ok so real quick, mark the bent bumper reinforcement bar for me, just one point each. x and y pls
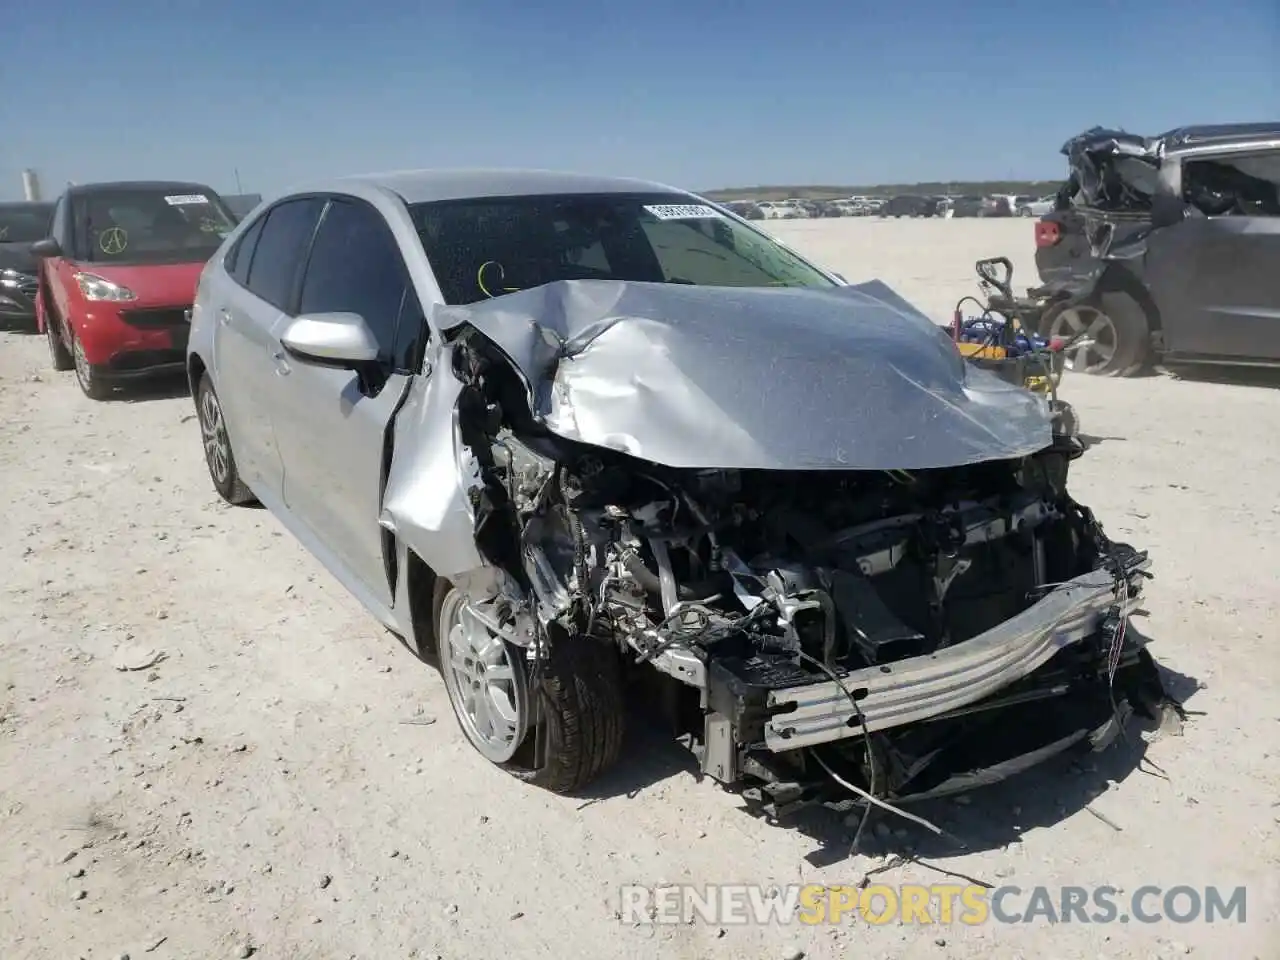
(918, 688)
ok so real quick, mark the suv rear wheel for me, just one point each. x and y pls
(1108, 337)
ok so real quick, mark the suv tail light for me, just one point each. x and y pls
(1048, 233)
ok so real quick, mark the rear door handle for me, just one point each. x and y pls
(224, 315)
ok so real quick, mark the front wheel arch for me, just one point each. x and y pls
(44, 307)
(196, 370)
(423, 587)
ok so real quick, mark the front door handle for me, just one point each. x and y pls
(224, 316)
(281, 361)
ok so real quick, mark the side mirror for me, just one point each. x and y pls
(331, 339)
(48, 247)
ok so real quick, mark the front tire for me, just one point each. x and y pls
(92, 378)
(559, 729)
(217, 447)
(59, 355)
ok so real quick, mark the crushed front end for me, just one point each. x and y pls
(820, 633)
(914, 633)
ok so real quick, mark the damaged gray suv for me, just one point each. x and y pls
(571, 437)
(1165, 249)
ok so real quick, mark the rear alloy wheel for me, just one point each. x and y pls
(90, 377)
(558, 730)
(59, 355)
(1109, 338)
(217, 447)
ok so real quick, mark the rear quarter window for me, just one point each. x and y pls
(240, 256)
(1246, 186)
(281, 248)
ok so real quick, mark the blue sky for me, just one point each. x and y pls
(696, 94)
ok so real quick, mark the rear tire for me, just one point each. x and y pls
(1113, 331)
(1134, 327)
(59, 355)
(572, 715)
(217, 447)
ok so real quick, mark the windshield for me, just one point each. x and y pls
(481, 248)
(150, 225)
(24, 222)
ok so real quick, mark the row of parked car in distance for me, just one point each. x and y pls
(900, 205)
(1161, 244)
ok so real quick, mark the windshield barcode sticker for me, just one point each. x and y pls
(683, 211)
(185, 199)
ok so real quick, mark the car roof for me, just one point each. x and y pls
(424, 186)
(1221, 134)
(112, 186)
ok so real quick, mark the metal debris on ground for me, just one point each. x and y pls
(133, 658)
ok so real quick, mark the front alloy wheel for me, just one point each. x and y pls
(88, 376)
(486, 680)
(557, 725)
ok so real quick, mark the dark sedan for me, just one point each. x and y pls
(21, 225)
(907, 205)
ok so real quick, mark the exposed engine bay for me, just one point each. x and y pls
(818, 635)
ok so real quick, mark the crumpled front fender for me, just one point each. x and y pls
(427, 502)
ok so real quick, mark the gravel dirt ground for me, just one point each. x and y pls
(281, 778)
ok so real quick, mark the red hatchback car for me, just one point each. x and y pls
(119, 273)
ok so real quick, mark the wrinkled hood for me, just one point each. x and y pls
(853, 378)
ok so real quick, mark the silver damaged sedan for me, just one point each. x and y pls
(573, 438)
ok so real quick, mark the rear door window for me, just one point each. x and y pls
(1242, 186)
(281, 248)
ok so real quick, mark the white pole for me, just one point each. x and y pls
(31, 186)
